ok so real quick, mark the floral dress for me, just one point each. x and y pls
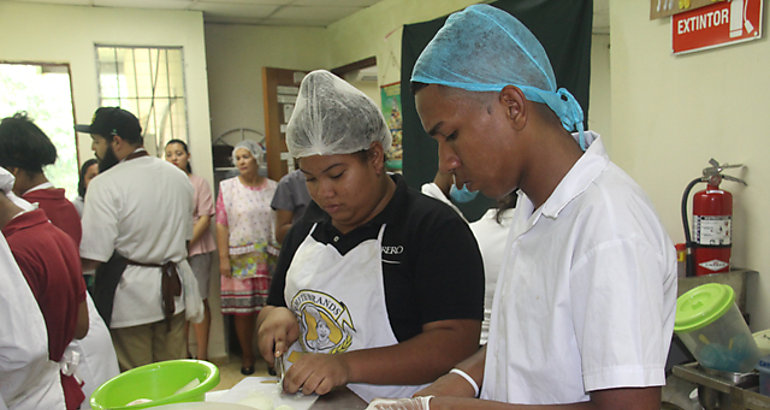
(246, 212)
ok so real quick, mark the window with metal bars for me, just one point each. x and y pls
(149, 82)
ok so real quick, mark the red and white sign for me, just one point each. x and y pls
(719, 24)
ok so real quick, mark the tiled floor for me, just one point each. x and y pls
(230, 371)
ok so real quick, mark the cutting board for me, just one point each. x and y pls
(264, 393)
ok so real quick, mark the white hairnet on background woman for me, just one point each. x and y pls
(333, 117)
(255, 149)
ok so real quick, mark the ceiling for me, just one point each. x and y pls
(309, 13)
(318, 13)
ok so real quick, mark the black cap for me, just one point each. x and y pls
(110, 121)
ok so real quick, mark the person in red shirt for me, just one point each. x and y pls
(24, 151)
(51, 265)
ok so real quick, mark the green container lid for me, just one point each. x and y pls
(701, 306)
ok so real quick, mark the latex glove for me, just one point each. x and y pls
(415, 403)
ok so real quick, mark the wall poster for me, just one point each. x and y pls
(391, 109)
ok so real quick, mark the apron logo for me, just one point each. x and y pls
(393, 250)
(325, 323)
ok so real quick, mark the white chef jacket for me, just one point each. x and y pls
(28, 380)
(143, 209)
(432, 190)
(587, 295)
(491, 237)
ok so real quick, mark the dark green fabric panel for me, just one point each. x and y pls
(564, 29)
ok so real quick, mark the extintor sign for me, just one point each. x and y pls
(717, 25)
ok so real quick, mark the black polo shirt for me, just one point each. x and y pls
(431, 264)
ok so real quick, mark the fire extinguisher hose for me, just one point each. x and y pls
(690, 261)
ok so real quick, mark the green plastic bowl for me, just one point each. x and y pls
(159, 382)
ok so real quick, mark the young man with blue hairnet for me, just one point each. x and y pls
(584, 306)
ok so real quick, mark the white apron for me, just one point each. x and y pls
(340, 305)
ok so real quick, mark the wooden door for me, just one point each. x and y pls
(279, 90)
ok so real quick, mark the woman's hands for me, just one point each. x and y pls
(317, 373)
(224, 267)
(223, 244)
(277, 329)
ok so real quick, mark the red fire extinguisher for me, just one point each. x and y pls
(708, 250)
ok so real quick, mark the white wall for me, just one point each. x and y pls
(236, 55)
(370, 88)
(670, 114)
(376, 31)
(67, 34)
(599, 115)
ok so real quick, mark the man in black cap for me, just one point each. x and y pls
(136, 221)
(104, 125)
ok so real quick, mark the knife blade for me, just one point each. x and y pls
(281, 371)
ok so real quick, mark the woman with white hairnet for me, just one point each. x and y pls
(583, 309)
(245, 239)
(377, 287)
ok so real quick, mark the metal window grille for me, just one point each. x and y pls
(149, 82)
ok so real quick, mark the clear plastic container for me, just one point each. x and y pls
(709, 323)
(764, 375)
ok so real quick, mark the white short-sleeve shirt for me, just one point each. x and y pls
(587, 294)
(143, 209)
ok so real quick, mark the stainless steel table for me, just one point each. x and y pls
(715, 392)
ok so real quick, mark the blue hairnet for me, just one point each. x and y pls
(483, 48)
(255, 149)
(333, 117)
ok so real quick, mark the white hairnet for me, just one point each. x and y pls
(483, 48)
(6, 185)
(333, 117)
(255, 149)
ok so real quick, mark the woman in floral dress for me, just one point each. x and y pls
(245, 238)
